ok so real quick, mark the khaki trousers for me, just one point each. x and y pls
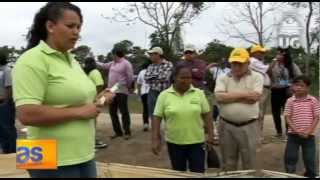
(238, 141)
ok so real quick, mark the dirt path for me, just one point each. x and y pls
(136, 151)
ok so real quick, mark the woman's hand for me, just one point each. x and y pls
(105, 97)
(156, 146)
(88, 111)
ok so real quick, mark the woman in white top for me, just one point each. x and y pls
(143, 90)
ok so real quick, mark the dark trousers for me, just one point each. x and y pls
(308, 151)
(8, 131)
(84, 170)
(278, 101)
(120, 102)
(145, 114)
(192, 155)
(152, 100)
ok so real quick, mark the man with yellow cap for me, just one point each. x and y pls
(257, 53)
(238, 94)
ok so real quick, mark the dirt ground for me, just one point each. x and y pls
(137, 150)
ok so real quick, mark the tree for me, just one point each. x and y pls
(101, 58)
(312, 33)
(167, 18)
(82, 52)
(11, 52)
(251, 15)
(124, 45)
(215, 51)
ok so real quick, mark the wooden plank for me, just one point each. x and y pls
(8, 167)
(114, 170)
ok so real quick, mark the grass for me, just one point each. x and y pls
(135, 104)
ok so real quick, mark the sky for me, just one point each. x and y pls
(100, 34)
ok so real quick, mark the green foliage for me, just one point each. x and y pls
(215, 51)
(82, 52)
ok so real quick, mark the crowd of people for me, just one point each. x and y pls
(59, 99)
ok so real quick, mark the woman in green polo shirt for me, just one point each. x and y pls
(53, 95)
(90, 68)
(185, 110)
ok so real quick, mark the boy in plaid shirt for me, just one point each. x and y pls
(302, 116)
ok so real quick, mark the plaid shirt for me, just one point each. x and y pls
(158, 75)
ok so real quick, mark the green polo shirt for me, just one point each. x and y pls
(96, 77)
(182, 115)
(44, 76)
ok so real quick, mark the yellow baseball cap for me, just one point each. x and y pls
(258, 48)
(240, 55)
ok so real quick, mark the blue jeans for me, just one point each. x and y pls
(193, 155)
(84, 170)
(308, 151)
(8, 131)
(152, 100)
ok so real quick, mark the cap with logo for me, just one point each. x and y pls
(240, 55)
(258, 48)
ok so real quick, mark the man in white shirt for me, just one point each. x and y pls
(143, 90)
(257, 54)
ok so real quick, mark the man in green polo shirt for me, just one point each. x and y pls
(238, 94)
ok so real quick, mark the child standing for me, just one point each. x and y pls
(302, 115)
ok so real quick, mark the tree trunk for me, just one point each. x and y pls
(307, 70)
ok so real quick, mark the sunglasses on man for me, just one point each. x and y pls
(188, 52)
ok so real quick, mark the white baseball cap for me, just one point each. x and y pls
(157, 50)
(190, 47)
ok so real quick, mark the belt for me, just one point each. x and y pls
(239, 124)
(267, 87)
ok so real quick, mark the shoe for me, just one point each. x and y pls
(278, 136)
(145, 127)
(115, 136)
(127, 136)
(100, 144)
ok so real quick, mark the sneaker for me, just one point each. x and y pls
(145, 127)
(127, 136)
(278, 136)
(100, 144)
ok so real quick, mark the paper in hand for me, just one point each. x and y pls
(113, 89)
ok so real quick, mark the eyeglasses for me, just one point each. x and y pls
(188, 52)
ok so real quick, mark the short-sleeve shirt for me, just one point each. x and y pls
(197, 67)
(237, 111)
(140, 80)
(280, 75)
(96, 77)
(303, 112)
(5, 79)
(44, 76)
(182, 115)
(158, 75)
